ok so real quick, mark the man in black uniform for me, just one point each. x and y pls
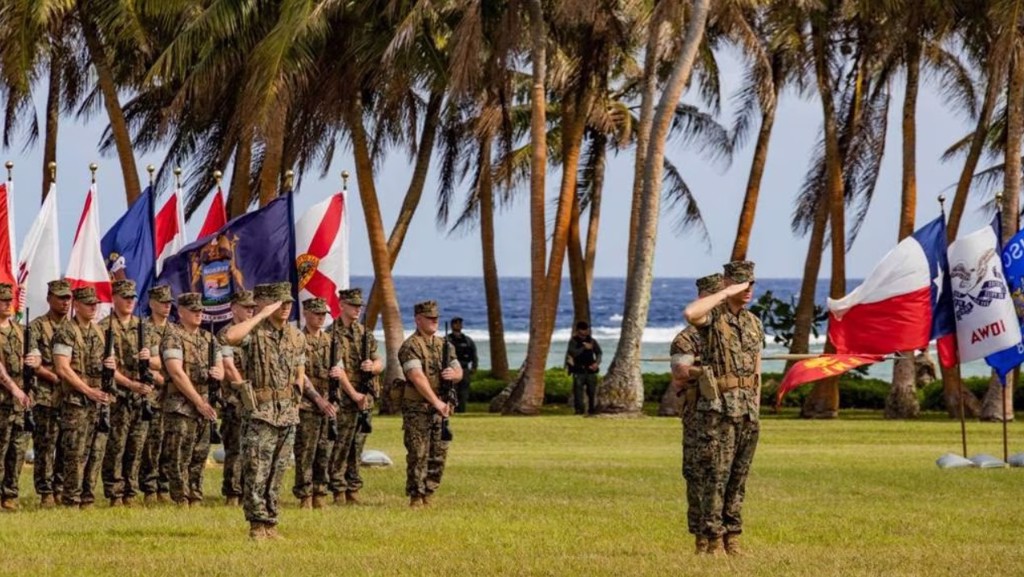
(583, 361)
(465, 351)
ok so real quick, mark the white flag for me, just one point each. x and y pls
(986, 321)
(39, 262)
(86, 266)
(321, 241)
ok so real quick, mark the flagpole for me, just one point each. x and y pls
(1002, 382)
(956, 367)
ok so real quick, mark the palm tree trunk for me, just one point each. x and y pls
(412, 197)
(902, 400)
(594, 220)
(992, 407)
(393, 334)
(492, 290)
(577, 267)
(52, 114)
(240, 193)
(746, 222)
(532, 375)
(643, 130)
(108, 87)
(622, 390)
(273, 153)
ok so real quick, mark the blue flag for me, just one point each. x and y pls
(128, 247)
(257, 247)
(1013, 269)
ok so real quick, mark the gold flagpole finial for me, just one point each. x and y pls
(9, 166)
(150, 169)
(177, 177)
(53, 171)
(93, 167)
(289, 178)
(217, 175)
(344, 180)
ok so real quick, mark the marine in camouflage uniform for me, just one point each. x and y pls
(728, 424)
(312, 443)
(686, 351)
(78, 358)
(357, 376)
(231, 422)
(128, 428)
(47, 472)
(187, 410)
(14, 400)
(277, 369)
(425, 405)
(153, 483)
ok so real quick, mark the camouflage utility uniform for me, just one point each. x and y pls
(687, 342)
(151, 479)
(48, 460)
(312, 447)
(426, 452)
(14, 438)
(348, 449)
(231, 418)
(728, 427)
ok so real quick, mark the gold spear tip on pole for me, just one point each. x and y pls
(53, 170)
(344, 179)
(9, 165)
(177, 171)
(93, 167)
(150, 168)
(218, 174)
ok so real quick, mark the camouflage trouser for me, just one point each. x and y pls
(46, 471)
(82, 446)
(347, 454)
(584, 383)
(231, 433)
(691, 463)
(13, 442)
(183, 461)
(265, 451)
(92, 483)
(727, 448)
(151, 478)
(312, 455)
(124, 451)
(425, 451)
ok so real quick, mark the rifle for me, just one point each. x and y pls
(213, 387)
(28, 376)
(107, 379)
(145, 375)
(446, 387)
(333, 385)
(365, 378)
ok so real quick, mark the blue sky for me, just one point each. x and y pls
(718, 188)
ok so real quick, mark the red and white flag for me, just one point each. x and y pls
(216, 218)
(39, 261)
(169, 230)
(7, 238)
(321, 241)
(86, 266)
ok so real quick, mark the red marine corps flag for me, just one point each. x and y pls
(321, 237)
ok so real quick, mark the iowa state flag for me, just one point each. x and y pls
(904, 303)
(257, 247)
(128, 247)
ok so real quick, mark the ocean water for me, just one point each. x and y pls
(464, 297)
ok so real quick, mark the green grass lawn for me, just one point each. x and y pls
(563, 495)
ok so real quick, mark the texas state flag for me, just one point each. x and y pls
(904, 303)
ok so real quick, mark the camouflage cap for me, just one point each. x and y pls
(275, 291)
(85, 295)
(6, 292)
(161, 294)
(739, 271)
(124, 288)
(190, 301)
(315, 305)
(59, 288)
(352, 296)
(243, 298)
(710, 284)
(427, 309)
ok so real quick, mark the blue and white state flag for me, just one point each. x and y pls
(1013, 269)
(986, 320)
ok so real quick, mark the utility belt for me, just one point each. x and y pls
(730, 383)
(266, 394)
(711, 386)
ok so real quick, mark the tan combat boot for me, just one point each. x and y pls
(732, 544)
(701, 546)
(318, 501)
(339, 498)
(230, 501)
(715, 547)
(9, 504)
(257, 531)
(352, 499)
(115, 502)
(426, 500)
(128, 501)
(271, 531)
(163, 498)
(306, 503)
(85, 505)
(149, 499)
(47, 502)
(415, 502)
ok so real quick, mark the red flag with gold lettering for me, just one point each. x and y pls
(810, 370)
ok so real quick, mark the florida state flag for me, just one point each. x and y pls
(810, 370)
